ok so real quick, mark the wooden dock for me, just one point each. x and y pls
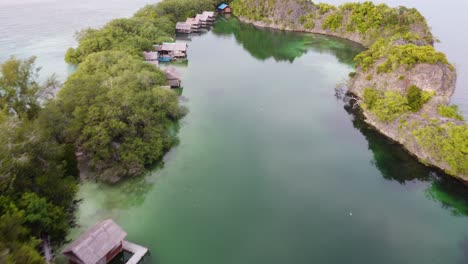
(138, 252)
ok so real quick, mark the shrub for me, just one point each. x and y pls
(396, 55)
(386, 106)
(308, 21)
(450, 111)
(370, 97)
(414, 97)
(446, 142)
(324, 8)
(333, 21)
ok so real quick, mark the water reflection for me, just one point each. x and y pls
(396, 164)
(282, 45)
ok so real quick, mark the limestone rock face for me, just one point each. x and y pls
(439, 78)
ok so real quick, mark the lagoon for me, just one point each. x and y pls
(271, 166)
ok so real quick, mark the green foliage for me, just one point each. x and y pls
(371, 96)
(386, 106)
(382, 21)
(398, 55)
(325, 8)
(20, 91)
(414, 97)
(32, 178)
(180, 10)
(333, 21)
(116, 112)
(391, 104)
(132, 35)
(308, 21)
(447, 143)
(16, 245)
(450, 111)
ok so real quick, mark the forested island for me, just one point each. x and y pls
(112, 119)
(403, 85)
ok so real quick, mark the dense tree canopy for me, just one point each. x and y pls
(37, 175)
(114, 110)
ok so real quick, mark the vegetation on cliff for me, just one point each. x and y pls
(398, 39)
(447, 142)
(366, 19)
(391, 56)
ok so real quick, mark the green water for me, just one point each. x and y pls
(273, 168)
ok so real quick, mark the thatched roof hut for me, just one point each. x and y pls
(173, 77)
(183, 27)
(173, 49)
(99, 244)
(194, 23)
(210, 16)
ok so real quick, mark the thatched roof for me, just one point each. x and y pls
(183, 26)
(192, 21)
(201, 17)
(176, 46)
(94, 245)
(172, 73)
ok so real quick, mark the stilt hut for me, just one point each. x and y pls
(194, 23)
(176, 50)
(183, 27)
(173, 77)
(100, 244)
(224, 8)
(204, 20)
(210, 16)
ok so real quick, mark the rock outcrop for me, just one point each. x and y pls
(365, 24)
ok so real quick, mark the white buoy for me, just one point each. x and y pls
(350, 213)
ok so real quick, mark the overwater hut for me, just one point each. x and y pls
(151, 57)
(194, 23)
(224, 8)
(205, 21)
(176, 50)
(183, 27)
(100, 244)
(173, 77)
(209, 15)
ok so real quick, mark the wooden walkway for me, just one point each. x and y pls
(138, 252)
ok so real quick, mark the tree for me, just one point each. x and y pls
(20, 91)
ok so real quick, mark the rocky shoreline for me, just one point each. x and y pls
(438, 78)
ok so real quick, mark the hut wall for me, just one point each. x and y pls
(114, 252)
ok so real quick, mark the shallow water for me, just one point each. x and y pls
(271, 167)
